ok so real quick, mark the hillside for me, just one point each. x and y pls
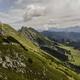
(20, 59)
(44, 43)
(67, 54)
(35, 36)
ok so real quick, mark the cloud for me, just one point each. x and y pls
(61, 12)
(34, 11)
(19, 2)
(48, 13)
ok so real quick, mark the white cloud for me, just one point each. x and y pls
(62, 12)
(34, 11)
(43, 12)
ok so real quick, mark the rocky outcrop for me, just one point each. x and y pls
(13, 63)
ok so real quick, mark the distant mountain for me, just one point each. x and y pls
(63, 35)
(60, 36)
(67, 29)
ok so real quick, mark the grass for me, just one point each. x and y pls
(42, 66)
(17, 36)
(75, 54)
(39, 65)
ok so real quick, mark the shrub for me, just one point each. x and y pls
(30, 60)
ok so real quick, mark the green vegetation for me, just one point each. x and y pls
(20, 59)
(74, 56)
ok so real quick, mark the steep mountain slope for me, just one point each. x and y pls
(66, 54)
(20, 59)
(44, 43)
(35, 36)
(11, 32)
(70, 41)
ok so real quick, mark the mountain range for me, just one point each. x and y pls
(28, 55)
(69, 35)
(58, 50)
(65, 29)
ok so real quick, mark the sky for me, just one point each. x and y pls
(40, 14)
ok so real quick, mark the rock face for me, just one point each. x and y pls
(2, 32)
(14, 63)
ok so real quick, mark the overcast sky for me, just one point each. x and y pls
(40, 14)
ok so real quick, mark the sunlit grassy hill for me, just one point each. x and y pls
(20, 59)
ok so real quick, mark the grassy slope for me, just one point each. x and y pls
(34, 34)
(11, 32)
(75, 58)
(41, 62)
